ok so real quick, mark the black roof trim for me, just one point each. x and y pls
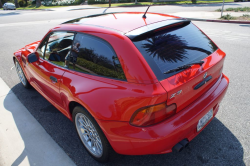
(145, 30)
(75, 21)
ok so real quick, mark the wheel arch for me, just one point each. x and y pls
(73, 104)
(14, 59)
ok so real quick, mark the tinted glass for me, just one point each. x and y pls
(42, 46)
(58, 46)
(95, 56)
(175, 47)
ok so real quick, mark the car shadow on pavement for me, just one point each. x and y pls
(215, 145)
(8, 14)
(245, 26)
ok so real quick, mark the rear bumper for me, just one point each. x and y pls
(160, 138)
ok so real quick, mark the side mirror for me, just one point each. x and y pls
(33, 57)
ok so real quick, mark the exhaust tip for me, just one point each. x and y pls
(180, 146)
(177, 148)
(184, 143)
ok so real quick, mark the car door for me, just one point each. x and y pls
(93, 72)
(48, 71)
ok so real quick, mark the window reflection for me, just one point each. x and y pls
(95, 56)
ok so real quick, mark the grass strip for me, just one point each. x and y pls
(238, 9)
(158, 3)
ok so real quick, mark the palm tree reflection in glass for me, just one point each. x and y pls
(170, 48)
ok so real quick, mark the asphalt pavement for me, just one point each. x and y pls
(225, 141)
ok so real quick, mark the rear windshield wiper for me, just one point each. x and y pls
(184, 67)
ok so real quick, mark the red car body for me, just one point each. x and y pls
(112, 102)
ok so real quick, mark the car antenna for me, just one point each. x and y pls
(144, 15)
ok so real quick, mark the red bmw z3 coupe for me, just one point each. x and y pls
(130, 83)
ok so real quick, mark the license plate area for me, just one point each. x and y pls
(203, 121)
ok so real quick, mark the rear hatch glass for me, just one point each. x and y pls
(174, 47)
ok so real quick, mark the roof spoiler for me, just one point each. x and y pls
(151, 28)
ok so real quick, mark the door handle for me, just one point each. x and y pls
(54, 79)
(203, 82)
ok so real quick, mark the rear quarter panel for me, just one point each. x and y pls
(109, 99)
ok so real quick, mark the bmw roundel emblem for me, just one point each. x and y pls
(205, 75)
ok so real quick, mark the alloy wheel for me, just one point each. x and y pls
(89, 135)
(21, 74)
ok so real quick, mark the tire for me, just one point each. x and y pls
(91, 135)
(21, 75)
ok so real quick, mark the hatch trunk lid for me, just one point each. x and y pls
(188, 85)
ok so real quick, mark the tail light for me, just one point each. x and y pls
(152, 115)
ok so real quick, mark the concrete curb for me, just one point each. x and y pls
(87, 8)
(220, 21)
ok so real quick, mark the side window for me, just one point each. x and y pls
(58, 46)
(42, 46)
(93, 55)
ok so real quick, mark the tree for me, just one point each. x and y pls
(135, 1)
(38, 3)
(16, 3)
(1, 5)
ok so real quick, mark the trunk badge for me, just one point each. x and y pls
(175, 94)
(205, 75)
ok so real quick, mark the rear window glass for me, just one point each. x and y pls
(175, 47)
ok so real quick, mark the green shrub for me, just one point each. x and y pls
(21, 3)
(143, 1)
(29, 3)
(96, 2)
(246, 15)
(78, 2)
(246, 9)
(125, 1)
(228, 17)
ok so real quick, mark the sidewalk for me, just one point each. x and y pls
(211, 16)
(207, 15)
(23, 141)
